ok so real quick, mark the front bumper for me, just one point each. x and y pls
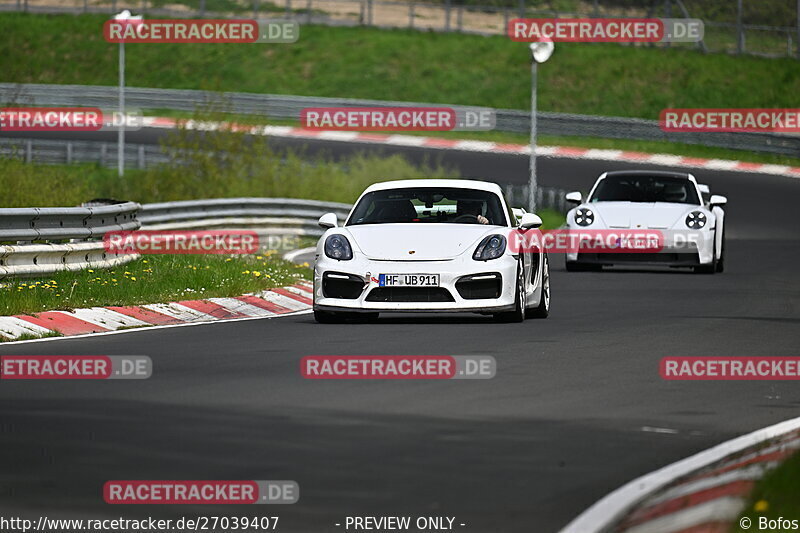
(681, 249)
(446, 298)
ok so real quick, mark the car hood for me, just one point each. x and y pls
(657, 215)
(428, 242)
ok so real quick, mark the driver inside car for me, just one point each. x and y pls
(473, 208)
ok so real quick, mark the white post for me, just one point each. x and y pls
(121, 131)
(532, 167)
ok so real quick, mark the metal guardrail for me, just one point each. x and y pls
(289, 107)
(266, 216)
(62, 223)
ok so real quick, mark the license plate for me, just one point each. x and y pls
(408, 280)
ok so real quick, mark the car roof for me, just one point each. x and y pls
(456, 184)
(659, 173)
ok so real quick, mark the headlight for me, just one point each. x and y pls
(696, 220)
(338, 247)
(491, 247)
(584, 217)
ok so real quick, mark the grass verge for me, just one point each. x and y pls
(774, 497)
(153, 279)
(401, 64)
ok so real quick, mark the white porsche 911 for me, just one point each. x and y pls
(429, 245)
(671, 203)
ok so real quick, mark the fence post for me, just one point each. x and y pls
(369, 12)
(460, 18)
(69, 152)
(28, 151)
(522, 9)
(141, 156)
(85, 6)
(113, 6)
(288, 8)
(255, 9)
(202, 8)
(308, 11)
(103, 155)
(447, 16)
(739, 28)
(411, 14)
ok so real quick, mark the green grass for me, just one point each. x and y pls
(220, 164)
(403, 65)
(153, 279)
(551, 219)
(774, 496)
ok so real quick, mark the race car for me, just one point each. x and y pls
(670, 203)
(429, 245)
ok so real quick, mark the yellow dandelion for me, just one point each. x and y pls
(761, 506)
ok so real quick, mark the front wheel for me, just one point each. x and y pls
(520, 301)
(543, 309)
(328, 317)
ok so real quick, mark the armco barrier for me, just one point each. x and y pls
(266, 216)
(21, 257)
(61, 223)
(289, 107)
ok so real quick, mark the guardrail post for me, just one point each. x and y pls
(141, 156)
(28, 151)
(522, 9)
(447, 16)
(103, 155)
(202, 8)
(308, 11)
(739, 28)
(85, 6)
(288, 8)
(411, 14)
(69, 153)
(460, 18)
(255, 9)
(369, 13)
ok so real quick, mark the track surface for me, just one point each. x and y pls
(560, 425)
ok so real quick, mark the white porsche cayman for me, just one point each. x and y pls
(429, 245)
(671, 203)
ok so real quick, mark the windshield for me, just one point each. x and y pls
(645, 189)
(448, 205)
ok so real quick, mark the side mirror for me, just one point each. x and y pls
(575, 197)
(328, 220)
(530, 220)
(717, 200)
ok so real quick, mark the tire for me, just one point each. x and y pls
(338, 317)
(711, 267)
(328, 317)
(543, 309)
(520, 301)
(574, 266)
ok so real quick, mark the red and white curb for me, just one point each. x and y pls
(704, 493)
(491, 147)
(269, 303)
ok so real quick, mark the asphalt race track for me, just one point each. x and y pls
(577, 407)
